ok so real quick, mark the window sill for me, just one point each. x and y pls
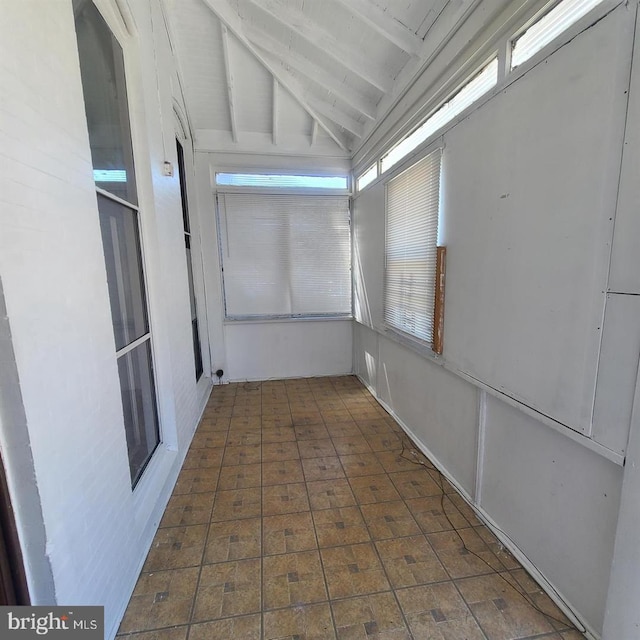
(414, 344)
(271, 320)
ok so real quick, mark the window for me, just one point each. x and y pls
(548, 27)
(466, 96)
(285, 256)
(106, 106)
(197, 347)
(411, 238)
(281, 181)
(367, 177)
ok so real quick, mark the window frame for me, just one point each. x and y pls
(189, 258)
(420, 344)
(122, 31)
(469, 80)
(276, 188)
(540, 15)
(271, 317)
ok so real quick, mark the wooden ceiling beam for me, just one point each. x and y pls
(348, 57)
(333, 113)
(385, 25)
(309, 69)
(229, 78)
(232, 21)
(339, 117)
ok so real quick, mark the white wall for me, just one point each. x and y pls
(295, 349)
(557, 500)
(259, 350)
(96, 530)
(530, 180)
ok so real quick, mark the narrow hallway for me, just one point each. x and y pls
(303, 512)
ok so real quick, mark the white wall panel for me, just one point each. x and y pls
(365, 354)
(437, 406)
(260, 351)
(557, 500)
(530, 199)
(625, 259)
(617, 371)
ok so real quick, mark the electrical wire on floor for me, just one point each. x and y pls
(410, 455)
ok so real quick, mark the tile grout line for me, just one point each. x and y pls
(315, 533)
(446, 569)
(491, 571)
(384, 568)
(206, 540)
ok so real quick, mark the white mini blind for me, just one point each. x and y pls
(551, 25)
(473, 90)
(413, 205)
(285, 255)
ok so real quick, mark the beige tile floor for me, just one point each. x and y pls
(298, 515)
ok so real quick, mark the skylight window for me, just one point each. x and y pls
(281, 181)
(367, 177)
(551, 25)
(467, 95)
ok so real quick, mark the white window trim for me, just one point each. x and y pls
(596, 14)
(277, 318)
(119, 19)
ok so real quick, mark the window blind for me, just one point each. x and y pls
(551, 25)
(473, 90)
(413, 204)
(285, 255)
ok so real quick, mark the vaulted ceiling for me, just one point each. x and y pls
(301, 76)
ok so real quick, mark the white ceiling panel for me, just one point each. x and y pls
(313, 74)
(253, 86)
(198, 46)
(291, 116)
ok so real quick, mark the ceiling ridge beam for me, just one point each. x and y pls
(230, 19)
(229, 77)
(315, 73)
(385, 25)
(324, 41)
